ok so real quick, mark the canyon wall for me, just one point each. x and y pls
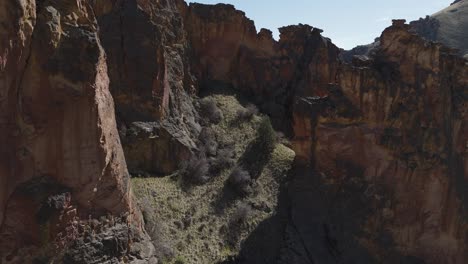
(151, 80)
(389, 130)
(381, 169)
(403, 151)
(60, 157)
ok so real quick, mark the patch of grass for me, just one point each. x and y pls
(206, 238)
(180, 260)
(281, 160)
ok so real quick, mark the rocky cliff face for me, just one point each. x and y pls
(150, 79)
(447, 26)
(61, 157)
(380, 172)
(389, 130)
(398, 138)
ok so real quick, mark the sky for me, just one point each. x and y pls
(347, 22)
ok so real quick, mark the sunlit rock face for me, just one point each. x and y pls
(58, 133)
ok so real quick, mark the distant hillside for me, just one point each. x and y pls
(448, 26)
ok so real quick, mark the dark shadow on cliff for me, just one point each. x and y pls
(253, 161)
(321, 223)
(274, 104)
(265, 242)
(216, 87)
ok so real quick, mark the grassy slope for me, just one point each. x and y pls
(453, 29)
(198, 221)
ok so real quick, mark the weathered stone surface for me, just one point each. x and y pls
(57, 121)
(150, 77)
(115, 244)
(405, 146)
(447, 26)
(156, 148)
(227, 48)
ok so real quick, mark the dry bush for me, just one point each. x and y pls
(209, 144)
(240, 180)
(282, 139)
(237, 222)
(223, 160)
(247, 113)
(241, 214)
(195, 170)
(210, 111)
(259, 151)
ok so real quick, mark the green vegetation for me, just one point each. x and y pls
(211, 219)
(259, 151)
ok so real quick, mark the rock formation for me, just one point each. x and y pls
(150, 77)
(380, 140)
(393, 125)
(447, 26)
(61, 159)
(403, 148)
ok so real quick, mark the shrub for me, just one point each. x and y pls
(224, 160)
(207, 138)
(237, 221)
(180, 260)
(241, 214)
(266, 137)
(210, 148)
(206, 134)
(281, 138)
(259, 151)
(210, 110)
(247, 113)
(240, 180)
(195, 170)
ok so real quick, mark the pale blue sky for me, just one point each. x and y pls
(347, 22)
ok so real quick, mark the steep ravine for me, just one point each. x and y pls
(380, 169)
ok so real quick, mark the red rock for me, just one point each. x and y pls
(57, 120)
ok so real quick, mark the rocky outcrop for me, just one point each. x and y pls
(228, 49)
(404, 148)
(361, 51)
(150, 76)
(448, 26)
(427, 27)
(155, 148)
(57, 127)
